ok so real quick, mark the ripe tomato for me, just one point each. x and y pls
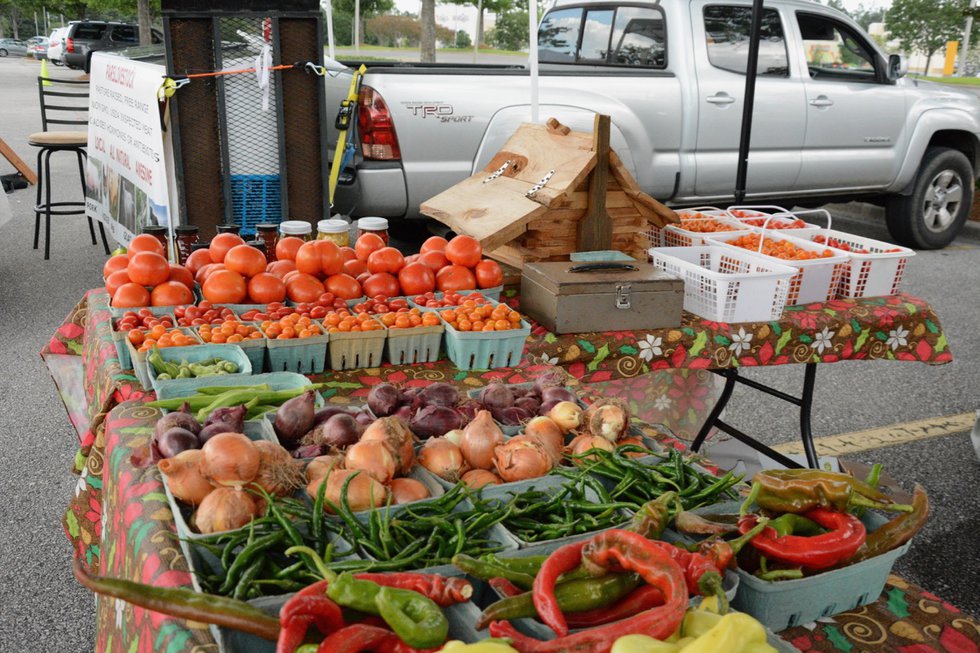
(206, 270)
(171, 293)
(386, 259)
(222, 244)
(361, 278)
(434, 244)
(224, 286)
(280, 268)
(245, 260)
(308, 259)
(146, 243)
(115, 280)
(416, 278)
(183, 275)
(331, 260)
(355, 268)
(366, 244)
(148, 268)
(289, 275)
(304, 288)
(381, 283)
(198, 259)
(287, 247)
(434, 259)
(129, 295)
(488, 274)
(115, 264)
(464, 250)
(344, 286)
(455, 277)
(264, 288)
(411, 258)
(348, 254)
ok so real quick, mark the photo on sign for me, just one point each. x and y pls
(160, 215)
(93, 180)
(111, 204)
(127, 205)
(143, 216)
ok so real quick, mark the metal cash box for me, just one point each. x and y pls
(567, 297)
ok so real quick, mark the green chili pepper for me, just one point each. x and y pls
(416, 619)
(349, 592)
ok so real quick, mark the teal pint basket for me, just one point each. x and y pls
(300, 355)
(483, 350)
(166, 389)
(351, 350)
(414, 345)
(119, 339)
(138, 358)
(254, 348)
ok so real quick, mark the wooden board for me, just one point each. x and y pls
(18, 163)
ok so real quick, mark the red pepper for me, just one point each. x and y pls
(357, 638)
(505, 587)
(845, 535)
(302, 610)
(613, 550)
(444, 591)
(640, 599)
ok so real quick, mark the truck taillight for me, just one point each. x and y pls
(69, 45)
(378, 138)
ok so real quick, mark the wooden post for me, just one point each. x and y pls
(24, 169)
(595, 228)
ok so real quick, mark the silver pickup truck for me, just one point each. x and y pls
(835, 119)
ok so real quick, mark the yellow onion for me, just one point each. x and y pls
(224, 509)
(407, 490)
(182, 474)
(544, 430)
(567, 415)
(522, 458)
(477, 478)
(443, 458)
(363, 493)
(480, 437)
(321, 466)
(279, 473)
(372, 457)
(230, 459)
(607, 418)
(585, 443)
(396, 433)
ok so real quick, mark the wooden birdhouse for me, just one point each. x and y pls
(549, 192)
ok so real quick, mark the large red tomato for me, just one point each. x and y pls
(464, 250)
(148, 268)
(115, 264)
(264, 288)
(224, 286)
(386, 259)
(434, 259)
(331, 258)
(222, 244)
(303, 287)
(367, 243)
(455, 277)
(381, 283)
(183, 275)
(434, 244)
(130, 295)
(115, 280)
(488, 274)
(355, 268)
(308, 259)
(287, 247)
(146, 243)
(344, 286)
(245, 260)
(280, 268)
(416, 279)
(198, 259)
(171, 293)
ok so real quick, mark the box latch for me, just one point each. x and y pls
(623, 296)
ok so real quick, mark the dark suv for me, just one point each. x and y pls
(88, 36)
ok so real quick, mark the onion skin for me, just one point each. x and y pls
(373, 458)
(443, 458)
(396, 433)
(550, 377)
(544, 430)
(225, 509)
(320, 466)
(522, 458)
(584, 443)
(174, 440)
(480, 437)
(233, 416)
(363, 493)
(230, 459)
(278, 474)
(608, 418)
(438, 394)
(183, 476)
(434, 421)
(558, 394)
(479, 478)
(567, 415)
(530, 404)
(294, 419)
(407, 490)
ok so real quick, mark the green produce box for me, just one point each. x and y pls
(138, 358)
(481, 350)
(301, 355)
(415, 345)
(351, 350)
(166, 389)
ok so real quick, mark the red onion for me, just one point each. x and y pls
(496, 396)
(550, 378)
(178, 419)
(512, 416)
(363, 418)
(294, 419)
(404, 412)
(212, 430)
(324, 414)
(439, 394)
(559, 394)
(435, 420)
(340, 431)
(529, 404)
(384, 399)
(234, 416)
(468, 409)
(309, 451)
(546, 406)
(175, 440)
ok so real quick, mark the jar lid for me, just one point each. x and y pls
(372, 224)
(332, 226)
(154, 229)
(296, 227)
(186, 229)
(267, 226)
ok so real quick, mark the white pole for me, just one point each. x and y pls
(533, 56)
(330, 45)
(47, 25)
(476, 30)
(964, 51)
(357, 27)
(36, 28)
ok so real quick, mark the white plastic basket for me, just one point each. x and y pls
(683, 234)
(727, 284)
(774, 217)
(699, 212)
(816, 279)
(875, 271)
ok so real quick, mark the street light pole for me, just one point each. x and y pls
(967, 28)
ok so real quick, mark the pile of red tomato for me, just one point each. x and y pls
(144, 277)
(231, 272)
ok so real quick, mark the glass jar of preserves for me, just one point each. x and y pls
(337, 231)
(377, 226)
(298, 228)
(187, 236)
(268, 233)
(160, 233)
(229, 228)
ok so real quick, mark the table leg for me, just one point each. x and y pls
(731, 376)
(806, 404)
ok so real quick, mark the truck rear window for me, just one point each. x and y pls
(623, 36)
(89, 32)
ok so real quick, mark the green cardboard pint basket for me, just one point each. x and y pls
(138, 358)
(414, 345)
(483, 350)
(195, 354)
(300, 355)
(351, 350)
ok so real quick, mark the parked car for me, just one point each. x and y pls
(13, 48)
(56, 45)
(835, 118)
(89, 36)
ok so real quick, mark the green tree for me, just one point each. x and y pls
(511, 30)
(483, 6)
(864, 17)
(925, 25)
(463, 39)
(368, 9)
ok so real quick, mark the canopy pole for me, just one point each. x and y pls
(533, 56)
(748, 103)
(328, 7)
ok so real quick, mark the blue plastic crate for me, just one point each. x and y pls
(255, 199)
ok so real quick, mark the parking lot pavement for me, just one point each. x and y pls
(44, 609)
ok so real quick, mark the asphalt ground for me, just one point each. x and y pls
(43, 609)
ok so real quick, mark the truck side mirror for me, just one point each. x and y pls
(898, 66)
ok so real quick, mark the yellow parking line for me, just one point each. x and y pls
(886, 436)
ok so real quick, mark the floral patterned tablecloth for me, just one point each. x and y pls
(120, 523)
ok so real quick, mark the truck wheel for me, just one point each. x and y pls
(940, 202)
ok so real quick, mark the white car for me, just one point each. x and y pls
(56, 45)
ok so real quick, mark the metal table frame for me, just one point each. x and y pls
(805, 404)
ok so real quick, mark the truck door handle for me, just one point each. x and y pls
(821, 101)
(720, 98)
